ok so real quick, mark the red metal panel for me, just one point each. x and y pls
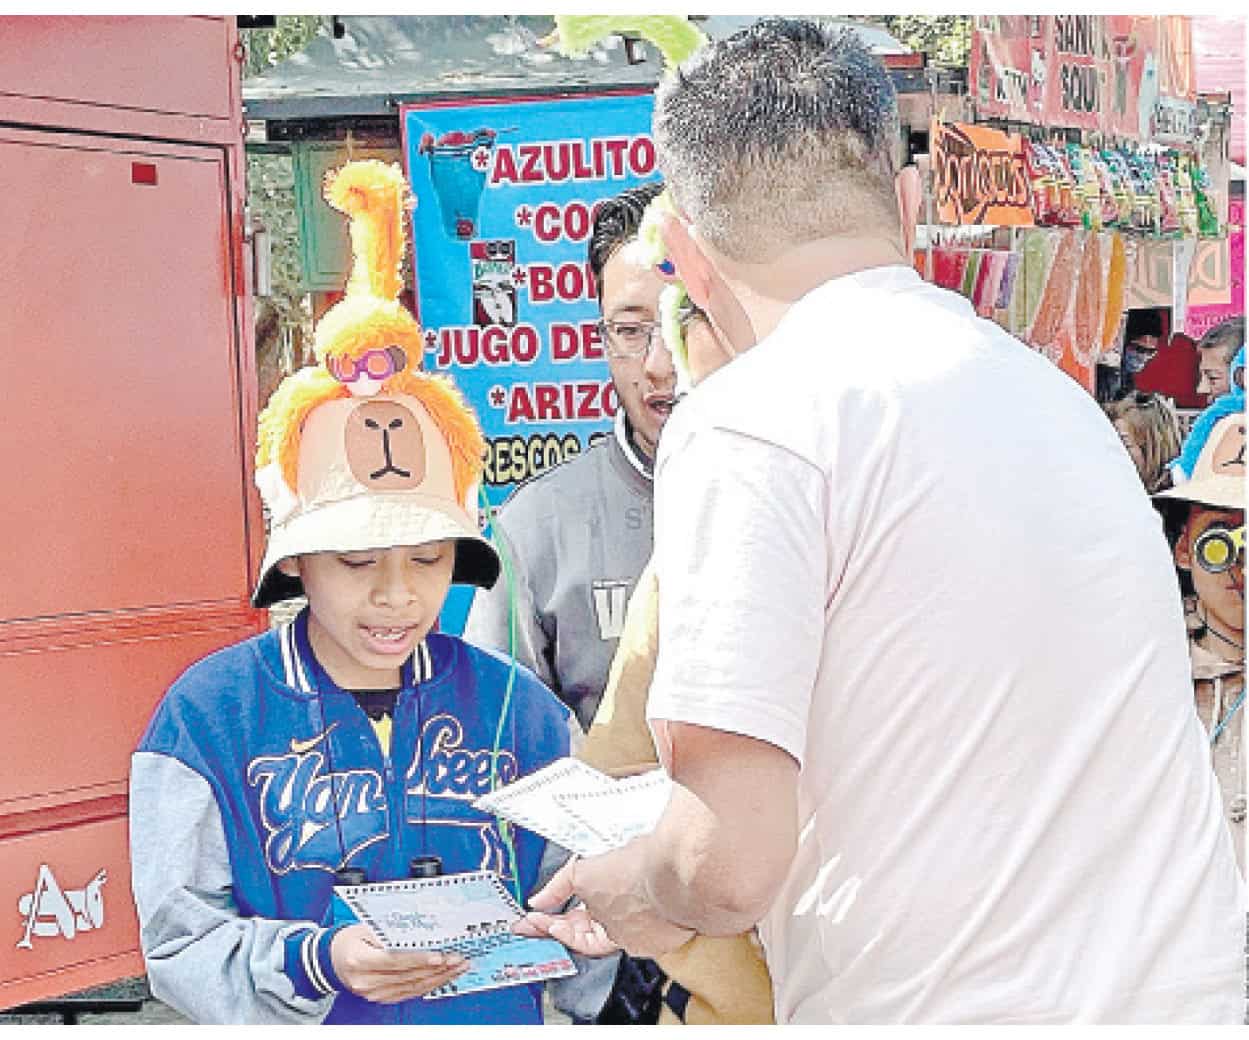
(131, 530)
(65, 927)
(79, 692)
(124, 425)
(137, 75)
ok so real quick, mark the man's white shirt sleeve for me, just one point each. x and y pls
(740, 545)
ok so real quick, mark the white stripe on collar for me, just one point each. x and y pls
(304, 684)
(630, 452)
(286, 639)
(291, 663)
(422, 661)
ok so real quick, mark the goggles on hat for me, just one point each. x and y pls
(1218, 548)
(376, 364)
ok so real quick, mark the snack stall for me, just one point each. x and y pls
(1093, 180)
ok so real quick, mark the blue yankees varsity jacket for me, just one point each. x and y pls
(257, 777)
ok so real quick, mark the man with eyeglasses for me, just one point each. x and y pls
(579, 534)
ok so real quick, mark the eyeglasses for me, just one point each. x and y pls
(628, 339)
(688, 311)
(1218, 548)
(376, 364)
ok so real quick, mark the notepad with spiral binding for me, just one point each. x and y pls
(467, 913)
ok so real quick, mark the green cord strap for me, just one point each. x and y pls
(505, 828)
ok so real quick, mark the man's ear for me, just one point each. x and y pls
(1183, 549)
(910, 191)
(693, 268)
(289, 566)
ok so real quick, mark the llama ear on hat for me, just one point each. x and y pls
(368, 336)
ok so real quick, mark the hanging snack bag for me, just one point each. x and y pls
(1056, 297)
(1029, 278)
(1089, 187)
(1186, 203)
(1043, 183)
(1169, 213)
(1068, 204)
(1088, 302)
(1116, 285)
(1146, 214)
(1207, 222)
(1121, 180)
(1106, 182)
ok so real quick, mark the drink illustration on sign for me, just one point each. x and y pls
(459, 161)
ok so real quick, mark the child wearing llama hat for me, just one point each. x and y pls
(1208, 511)
(354, 736)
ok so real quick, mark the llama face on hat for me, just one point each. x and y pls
(385, 445)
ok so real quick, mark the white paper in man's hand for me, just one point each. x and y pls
(581, 809)
(628, 809)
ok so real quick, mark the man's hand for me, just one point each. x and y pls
(616, 912)
(385, 977)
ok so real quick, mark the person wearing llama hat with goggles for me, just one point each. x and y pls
(352, 741)
(1208, 510)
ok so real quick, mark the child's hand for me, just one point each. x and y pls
(386, 977)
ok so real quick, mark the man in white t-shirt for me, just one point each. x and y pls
(922, 682)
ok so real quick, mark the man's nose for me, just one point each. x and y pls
(657, 363)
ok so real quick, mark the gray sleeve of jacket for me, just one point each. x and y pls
(488, 617)
(203, 959)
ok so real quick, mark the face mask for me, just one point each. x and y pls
(1134, 360)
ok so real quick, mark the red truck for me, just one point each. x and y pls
(130, 531)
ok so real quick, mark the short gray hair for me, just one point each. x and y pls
(784, 133)
(1228, 336)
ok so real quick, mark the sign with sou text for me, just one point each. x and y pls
(1130, 76)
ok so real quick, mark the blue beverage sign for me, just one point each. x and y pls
(506, 192)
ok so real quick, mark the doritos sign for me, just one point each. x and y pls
(979, 175)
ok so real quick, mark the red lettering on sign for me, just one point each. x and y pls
(574, 221)
(530, 171)
(520, 405)
(547, 397)
(559, 161)
(555, 158)
(468, 346)
(504, 166)
(569, 282)
(615, 148)
(546, 226)
(563, 342)
(580, 171)
(561, 402)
